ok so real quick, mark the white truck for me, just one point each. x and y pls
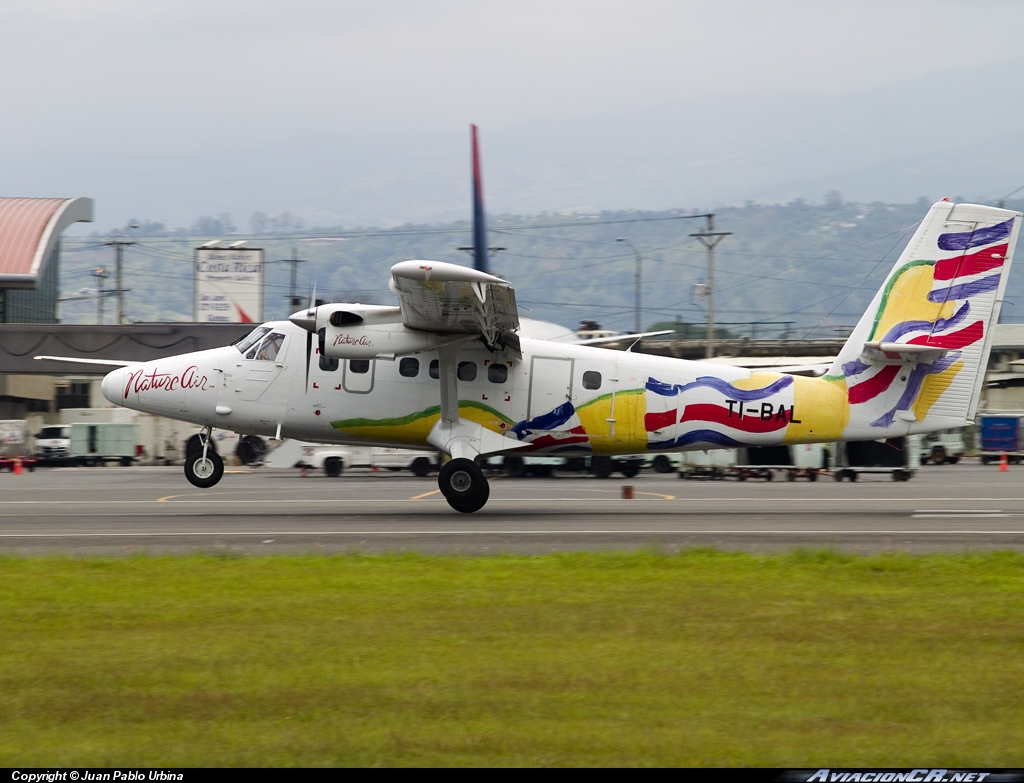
(945, 447)
(335, 460)
(88, 443)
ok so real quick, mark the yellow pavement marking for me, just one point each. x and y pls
(165, 498)
(426, 494)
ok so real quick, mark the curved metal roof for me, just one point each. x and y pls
(29, 230)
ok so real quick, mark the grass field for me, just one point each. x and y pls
(700, 658)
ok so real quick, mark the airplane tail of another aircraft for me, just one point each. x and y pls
(917, 358)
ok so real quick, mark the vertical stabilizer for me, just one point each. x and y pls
(917, 359)
(479, 223)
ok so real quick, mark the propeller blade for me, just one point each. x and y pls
(309, 356)
(310, 319)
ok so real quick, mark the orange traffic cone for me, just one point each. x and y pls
(1004, 464)
(16, 470)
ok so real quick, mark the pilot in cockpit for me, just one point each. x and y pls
(270, 347)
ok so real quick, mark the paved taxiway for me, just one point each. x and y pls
(120, 510)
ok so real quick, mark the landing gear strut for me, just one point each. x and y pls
(204, 467)
(463, 485)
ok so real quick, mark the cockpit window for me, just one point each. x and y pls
(251, 339)
(270, 347)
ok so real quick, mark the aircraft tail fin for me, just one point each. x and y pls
(917, 358)
(480, 250)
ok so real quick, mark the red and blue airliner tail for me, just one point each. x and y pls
(479, 223)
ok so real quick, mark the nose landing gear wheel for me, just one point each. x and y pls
(463, 485)
(204, 473)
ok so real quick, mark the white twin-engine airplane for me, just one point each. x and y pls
(450, 368)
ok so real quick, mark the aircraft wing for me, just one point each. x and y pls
(438, 297)
(75, 360)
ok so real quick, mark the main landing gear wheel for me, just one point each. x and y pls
(463, 485)
(204, 472)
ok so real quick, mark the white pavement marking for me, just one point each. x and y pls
(521, 533)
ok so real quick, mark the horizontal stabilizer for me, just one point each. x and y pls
(908, 353)
(618, 338)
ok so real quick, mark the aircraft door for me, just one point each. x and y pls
(550, 385)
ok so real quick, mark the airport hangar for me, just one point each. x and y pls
(30, 233)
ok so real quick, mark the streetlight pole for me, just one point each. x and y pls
(637, 325)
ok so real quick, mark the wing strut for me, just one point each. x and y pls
(452, 434)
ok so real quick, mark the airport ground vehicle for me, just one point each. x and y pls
(335, 460)
(999, 435)
(714, 464)
(88, 443)
(898, 457)
(14, 445)
(518, 466)
(943, 447)
(803, 460)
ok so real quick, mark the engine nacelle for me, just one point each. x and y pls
(369, 332)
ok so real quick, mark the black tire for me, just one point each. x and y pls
(938, 455)
(195, 444)
(601, 467)
(126, 462)
(790, 475)
(984, 460)
(662, 464)
(463, 485)
(541, 471)
(852, 474)
(953, 460)
(769, 475)
(837, 475)
(813, 475)
(333, 466)
(420, 467)
(204, 473)
(251, 449)
(514, 466)
(629, 470)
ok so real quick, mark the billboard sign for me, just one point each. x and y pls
(229, 285)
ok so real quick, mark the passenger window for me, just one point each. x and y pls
(591, 380)
(270, 347)
(409, 368)
(466, 371)
(359, 366)
(433, 371)
(327, 365)
(497, 373)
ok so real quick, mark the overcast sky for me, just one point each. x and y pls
(113, 79)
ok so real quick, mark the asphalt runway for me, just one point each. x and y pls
(118, 510)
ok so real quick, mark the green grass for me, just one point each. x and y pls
(702, 658)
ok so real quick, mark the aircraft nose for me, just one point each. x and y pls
(112, 386)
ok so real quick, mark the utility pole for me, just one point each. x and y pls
(118, 244)
(709, 238)
(100, 275)
(637, 320)
(293, 298)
